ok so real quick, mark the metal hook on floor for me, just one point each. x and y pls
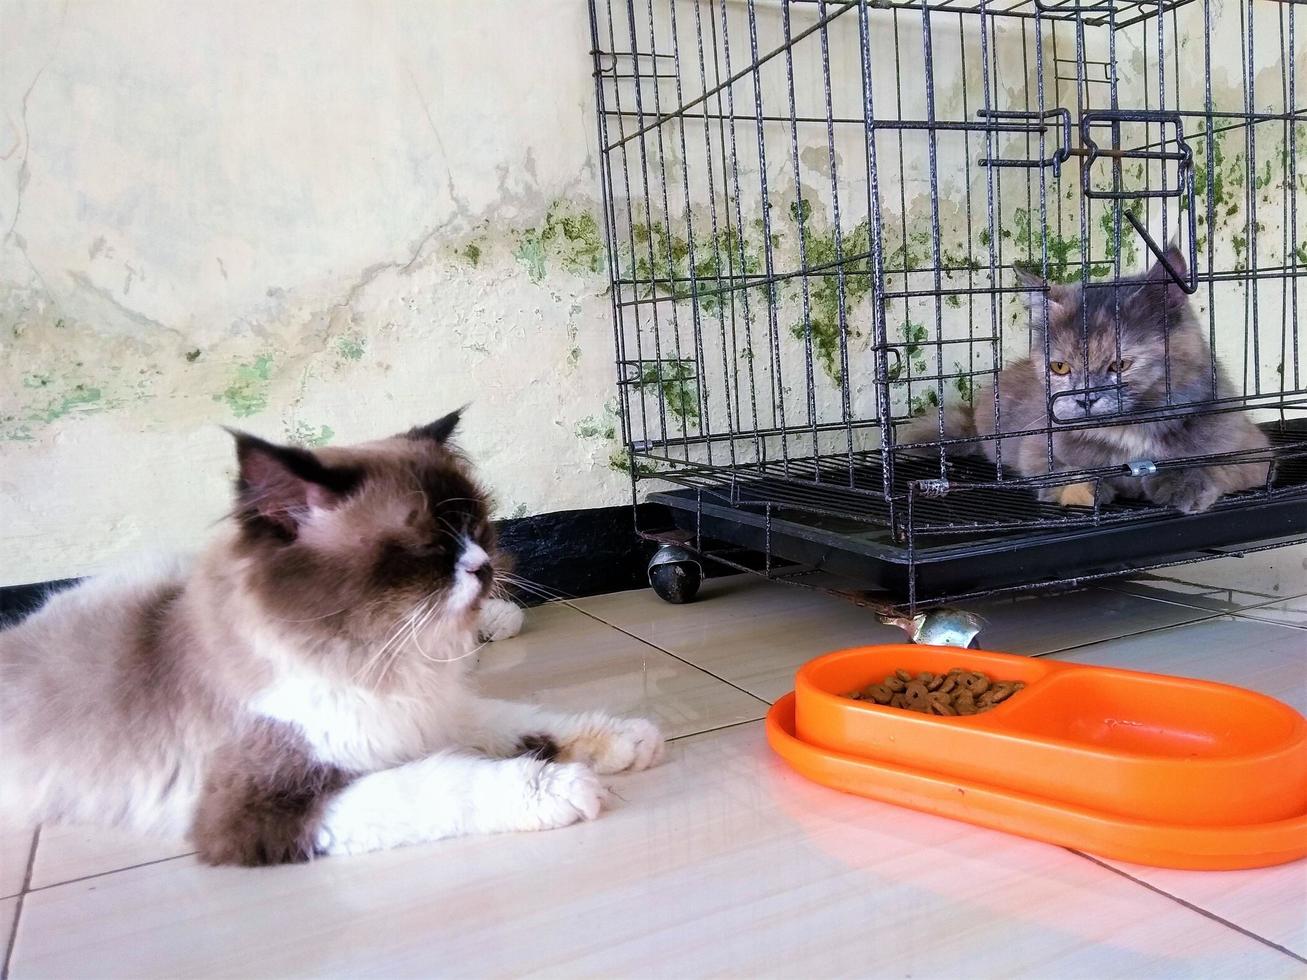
(940, 627)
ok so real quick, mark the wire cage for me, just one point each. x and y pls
(833, 227)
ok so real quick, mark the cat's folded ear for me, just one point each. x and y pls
(1157, 274)
(1034, 289)
(440, 430)
(280, 487)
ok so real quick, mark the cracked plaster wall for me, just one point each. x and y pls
(321, 222)
(327, 222)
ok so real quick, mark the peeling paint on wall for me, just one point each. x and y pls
(333, 268)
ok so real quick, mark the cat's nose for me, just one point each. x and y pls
(1087, 401)
(475, 561)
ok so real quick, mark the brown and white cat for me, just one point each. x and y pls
(303, 688)
(1163, 361)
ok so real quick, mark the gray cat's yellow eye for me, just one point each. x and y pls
(1059, 367)
(1116, 367)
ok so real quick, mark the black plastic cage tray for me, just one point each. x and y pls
(940, 567)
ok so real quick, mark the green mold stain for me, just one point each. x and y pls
(193, 355)
(592, 427)
(303, 434)
(531, 253)
(677, 386)
(1129, 250)
(661, 263)
(660, 260)
(570, 236)
(248, 393)
(518, 513)
(923, 403)
(472, 252)
(851, 269)
(1063, 251)
(351, 347)
(957, 261)
(76, 401)
(914, 253)
(914, 335)
(1214, 181)
(729, 254)
(18, 433)
(963, 382)
(1240, 243)
(37, 381)
(621, 461)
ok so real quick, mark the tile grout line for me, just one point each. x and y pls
(1171, 601)
(1191, 906)
(1237, 610)
(1174, 626)
(104, 874)
(718, 728)
(655, 646)
(1144, 632)
(18, 908)
(1267, 622)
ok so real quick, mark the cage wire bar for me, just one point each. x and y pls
(816, 211)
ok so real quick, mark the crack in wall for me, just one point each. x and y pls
(83, 282)
(24, 173)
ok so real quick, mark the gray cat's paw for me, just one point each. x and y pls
(1189, 492)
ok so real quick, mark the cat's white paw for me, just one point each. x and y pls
(559, 793)
(499, 620)
(624, 745)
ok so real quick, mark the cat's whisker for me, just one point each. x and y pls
(313, 619)
(536, 588)
(393, 637)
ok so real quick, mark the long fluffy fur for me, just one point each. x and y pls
(305, 686)
(1148, 323)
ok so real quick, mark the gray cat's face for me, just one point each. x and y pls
(1097, 372)
(1109, 347)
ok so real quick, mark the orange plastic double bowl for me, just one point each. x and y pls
(1146, 768)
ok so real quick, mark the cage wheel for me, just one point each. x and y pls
(675, 574)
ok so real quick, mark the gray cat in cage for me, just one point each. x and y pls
(1162, 348)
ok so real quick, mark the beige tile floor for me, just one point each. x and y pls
(721, 861)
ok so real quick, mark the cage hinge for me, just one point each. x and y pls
(1141, 467)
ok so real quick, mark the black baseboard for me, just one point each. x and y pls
(575, 553)
(20, 601)
(570, 553)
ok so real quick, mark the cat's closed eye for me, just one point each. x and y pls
(1117, 367)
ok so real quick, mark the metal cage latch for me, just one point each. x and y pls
(1141, 467)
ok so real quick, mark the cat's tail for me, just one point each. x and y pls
(959, 423)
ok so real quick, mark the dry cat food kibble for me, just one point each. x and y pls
(959, 692)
